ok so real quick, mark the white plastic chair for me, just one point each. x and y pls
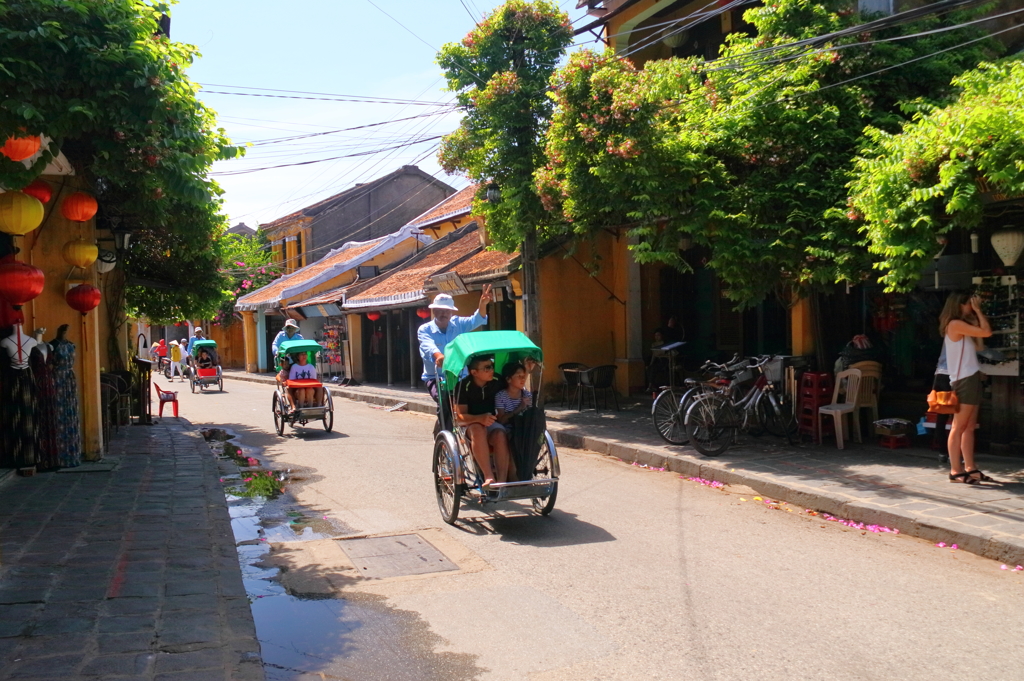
(847, 383)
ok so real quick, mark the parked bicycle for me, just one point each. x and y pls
(714, 418)
(669, 408)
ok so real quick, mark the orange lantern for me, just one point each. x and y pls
(83, 297)
(20, 148)
(373, 316)
(19, 213)
(40, 190)
(80, 253)
(19, 283)
(79, 207)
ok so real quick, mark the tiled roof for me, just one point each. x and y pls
(405, 284)
(459, 203)
(325, 298)
(484, 262)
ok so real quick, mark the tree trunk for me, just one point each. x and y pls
(531, 294)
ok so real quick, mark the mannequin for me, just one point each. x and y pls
(18, 402)
(41, 360)
(69, 438)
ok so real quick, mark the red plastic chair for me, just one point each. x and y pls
(165, 397)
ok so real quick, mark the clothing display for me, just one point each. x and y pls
(16, 406)
(69, 438)
(45, 417)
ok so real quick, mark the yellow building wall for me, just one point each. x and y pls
(230, 344)
(440, 230)
(355, 341)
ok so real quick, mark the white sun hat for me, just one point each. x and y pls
(443, 301)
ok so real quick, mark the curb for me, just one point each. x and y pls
(1001, 547)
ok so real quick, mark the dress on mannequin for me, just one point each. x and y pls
(69, 438)
(45, 415)
(16, 407)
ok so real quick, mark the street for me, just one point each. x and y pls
(637, 574)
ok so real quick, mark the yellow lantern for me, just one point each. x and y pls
(19, 213)
(80, 253)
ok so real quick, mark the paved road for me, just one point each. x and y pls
(636, 575)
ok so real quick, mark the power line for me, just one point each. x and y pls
(320, 99)
(334, 132)
(397, 100)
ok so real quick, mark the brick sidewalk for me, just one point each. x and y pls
(906, 489)
(126, 573)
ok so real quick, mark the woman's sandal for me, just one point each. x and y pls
(978, 476)
(962, 478)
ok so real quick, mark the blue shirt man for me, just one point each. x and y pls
(290, 332)
(443, 329)
(197, 336)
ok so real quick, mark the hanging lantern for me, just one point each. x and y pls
(20, 148)
(423, 313)
(79, 207)
(1008, 245)
(83, 297)
(19, 283)
(19, 213)
(373, 316)
(80, 253)
(105, 261)
(40, 189)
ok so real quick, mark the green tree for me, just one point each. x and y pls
(913, 186)
(749, 154)
(500, 72)
(248, 265)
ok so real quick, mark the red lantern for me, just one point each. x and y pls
(373, 316)
(19, 283)
(83, 297)
(423, 313)
(20, 148)
(40, 190)
(79, 207)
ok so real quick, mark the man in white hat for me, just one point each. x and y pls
(443, 329)
(197, 336)
(288, 333)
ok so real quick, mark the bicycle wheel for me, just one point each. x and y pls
(704, 424)
(776, 413)
(669, 417)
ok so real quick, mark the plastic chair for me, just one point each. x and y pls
(571, 379)
(870, 386)
(165, 397)
(848, 384)
(599, 378)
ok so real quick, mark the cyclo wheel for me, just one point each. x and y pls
(776, 413)
(278, 414)
(704, 427)
(446, 487)
(669, 417)
(329, 414)
(545, 469)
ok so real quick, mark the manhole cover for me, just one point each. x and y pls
(405, 554)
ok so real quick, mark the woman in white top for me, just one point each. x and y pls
(960, 344)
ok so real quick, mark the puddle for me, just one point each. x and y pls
(355, 637)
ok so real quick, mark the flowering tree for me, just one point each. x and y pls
(913, 186)
(248, 265)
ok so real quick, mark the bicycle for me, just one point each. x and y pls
(669, 409)
(714, 419)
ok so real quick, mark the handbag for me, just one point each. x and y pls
(945, 401)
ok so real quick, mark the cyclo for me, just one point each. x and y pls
(208, 376)
(284, 412)
(456, 474)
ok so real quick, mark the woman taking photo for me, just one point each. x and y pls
(960, 341)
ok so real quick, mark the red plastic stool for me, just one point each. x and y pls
(165, 397)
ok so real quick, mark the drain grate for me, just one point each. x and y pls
(398, 556)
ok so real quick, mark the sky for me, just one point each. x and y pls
(332, 48)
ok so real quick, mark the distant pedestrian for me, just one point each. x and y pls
(197, 335)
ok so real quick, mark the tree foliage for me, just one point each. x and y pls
(500, 72)
(913, 186)
(749, 155)
(100, 79)
(248, 265)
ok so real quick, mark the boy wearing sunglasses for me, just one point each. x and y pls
(476, 413)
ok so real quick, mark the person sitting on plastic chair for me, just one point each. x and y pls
(302, 370)
(476, 413)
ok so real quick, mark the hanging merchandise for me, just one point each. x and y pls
(20, 148)
(83, 298)
(80, 253)
(19, 283)
(105, 261)
(79, 207)
(69, 438)
(19, 213)
(17, 403)
(39, 189)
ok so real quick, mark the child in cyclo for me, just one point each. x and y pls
(515, 398)
(282, 380)
(303, 370)
(475, 410)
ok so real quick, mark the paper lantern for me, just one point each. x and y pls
(373, 316)
(20, 148)
(1008, 244)
(40, 189)
(423, 313)
(19, 283)
(79, 207)
(19, 213)
(83, 297)
(105, 261)
(80, 253)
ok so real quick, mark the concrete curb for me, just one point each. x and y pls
(997, 546)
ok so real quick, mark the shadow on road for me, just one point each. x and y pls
(558, 529)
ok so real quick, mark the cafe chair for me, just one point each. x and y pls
(599, 378)
(571, 379)
(167, 397)
(848, 390)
